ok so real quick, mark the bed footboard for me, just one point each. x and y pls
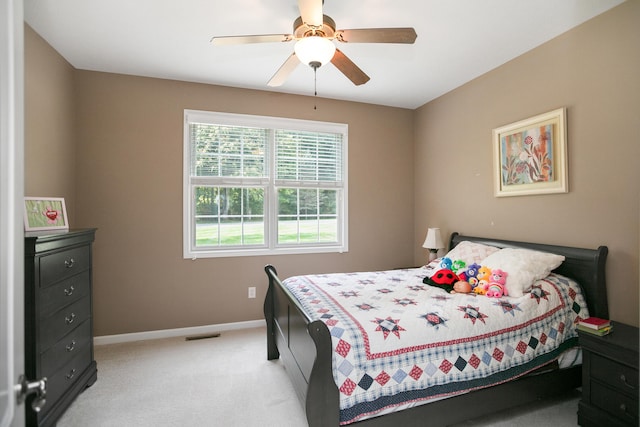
(269, 315)
(305, 349)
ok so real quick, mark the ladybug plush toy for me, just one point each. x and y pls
(443, 278)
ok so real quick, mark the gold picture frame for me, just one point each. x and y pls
(530, 156)
(45, 213)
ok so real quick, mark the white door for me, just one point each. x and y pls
(11, 196)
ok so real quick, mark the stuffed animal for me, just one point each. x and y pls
(498, 276)
(484, 274)
(446, 263)
(461, 287)
(458, 266)
(495, 290)
(443, 279)
(471, 275)
(497, 286)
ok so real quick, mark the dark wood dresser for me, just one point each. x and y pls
(609, 378)
(58, 318)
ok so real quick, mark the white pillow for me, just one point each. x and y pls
(471, 252)
(523, 267)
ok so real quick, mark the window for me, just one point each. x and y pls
(263, 185)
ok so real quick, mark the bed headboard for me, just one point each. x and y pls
(586, 266)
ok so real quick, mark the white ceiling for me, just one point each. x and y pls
(458, 40)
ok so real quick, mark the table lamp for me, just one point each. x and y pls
(433, 242)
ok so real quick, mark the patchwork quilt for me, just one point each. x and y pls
(398, 342)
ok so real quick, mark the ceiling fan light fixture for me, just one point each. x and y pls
(314, 49)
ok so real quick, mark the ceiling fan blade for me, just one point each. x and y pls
(348, 68)
(264, 38)
(284, 71)
(311, 12)
(377, 35)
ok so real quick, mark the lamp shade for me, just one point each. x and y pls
(433, 239)
(314, 49)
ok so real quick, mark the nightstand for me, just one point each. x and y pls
(609, 378)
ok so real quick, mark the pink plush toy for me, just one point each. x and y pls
(497, 286)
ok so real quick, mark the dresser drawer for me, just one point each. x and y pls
(65, 349)
(62, 379)
(621, 377)
(64, 293)
(64, 264)
(62, 322)
(615, 403)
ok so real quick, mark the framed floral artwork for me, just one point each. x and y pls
(530, 156)
(45, 213)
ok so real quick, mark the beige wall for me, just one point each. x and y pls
(50, 149)
(594, 72)
(130, 141)
(127, 181)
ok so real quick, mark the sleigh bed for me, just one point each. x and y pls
(309, 344)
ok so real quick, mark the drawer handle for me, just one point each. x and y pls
(70, 319)
(624, 381)
(69, 262)
(71, 374)
(69, 291)
(71, 347)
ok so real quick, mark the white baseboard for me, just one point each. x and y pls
(179, 332)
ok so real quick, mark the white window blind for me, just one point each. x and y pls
(227, 151)
(309, 157)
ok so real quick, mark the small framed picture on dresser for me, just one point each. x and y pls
(45, 213)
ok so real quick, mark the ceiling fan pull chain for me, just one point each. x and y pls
(315, 87)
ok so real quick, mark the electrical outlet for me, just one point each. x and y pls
(252, 292)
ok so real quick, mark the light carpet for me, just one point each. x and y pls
(228, 382)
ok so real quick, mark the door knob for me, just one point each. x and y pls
(25, 388)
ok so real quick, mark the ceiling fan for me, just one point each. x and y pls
(314, 33)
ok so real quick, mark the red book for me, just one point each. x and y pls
(594, 323)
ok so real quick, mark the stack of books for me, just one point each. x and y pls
(595, 326)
